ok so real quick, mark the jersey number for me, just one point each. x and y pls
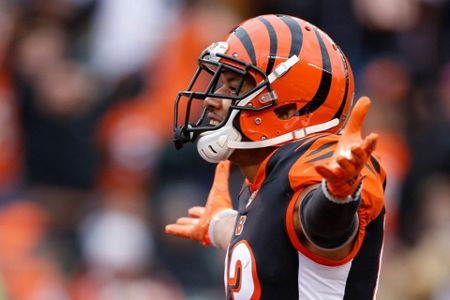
(241, 278)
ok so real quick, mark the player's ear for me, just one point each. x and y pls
(286, 112)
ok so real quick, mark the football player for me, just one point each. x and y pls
(275, 99)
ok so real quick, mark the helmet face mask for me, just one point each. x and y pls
(191, 113)
(287, 76)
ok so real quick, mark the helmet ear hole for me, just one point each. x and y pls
(306, 114)
(286, 112)
(306, 119)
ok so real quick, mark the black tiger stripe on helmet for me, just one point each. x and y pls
(320, 84)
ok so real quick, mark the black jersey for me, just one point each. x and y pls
(267, 260)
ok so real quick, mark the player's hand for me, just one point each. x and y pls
(343, 173)
(196, 225)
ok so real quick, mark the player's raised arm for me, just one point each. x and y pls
(213, 223)
(328, 214)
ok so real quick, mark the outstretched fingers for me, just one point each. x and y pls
(354, 161)
(179, 230)
(196, 211)
(370, 143)
(327, 172)
(187, 221)
(347, 164)
(359, 156)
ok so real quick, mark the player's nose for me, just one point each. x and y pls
(213, 103)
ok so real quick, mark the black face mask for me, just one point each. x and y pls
(191, 114)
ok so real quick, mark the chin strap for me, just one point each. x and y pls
(293, 135)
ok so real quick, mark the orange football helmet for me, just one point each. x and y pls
(294, 65)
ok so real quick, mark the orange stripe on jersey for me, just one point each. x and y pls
(260, 174)
(369, 167)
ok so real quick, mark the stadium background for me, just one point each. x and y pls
(89, 176)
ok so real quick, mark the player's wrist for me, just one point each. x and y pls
(228, 212)
(343, 194)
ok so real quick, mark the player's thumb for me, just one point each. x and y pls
(221, 175)
(358, 115)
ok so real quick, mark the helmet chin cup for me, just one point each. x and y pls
(213, 145)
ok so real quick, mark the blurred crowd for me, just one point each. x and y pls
(89, 175)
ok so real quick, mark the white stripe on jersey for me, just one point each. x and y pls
(316, 281)
(380, 259)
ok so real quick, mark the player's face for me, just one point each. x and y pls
(218, 108)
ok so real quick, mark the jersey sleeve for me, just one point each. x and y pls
(302, 175)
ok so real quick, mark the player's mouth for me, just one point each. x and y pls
(214, 119)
